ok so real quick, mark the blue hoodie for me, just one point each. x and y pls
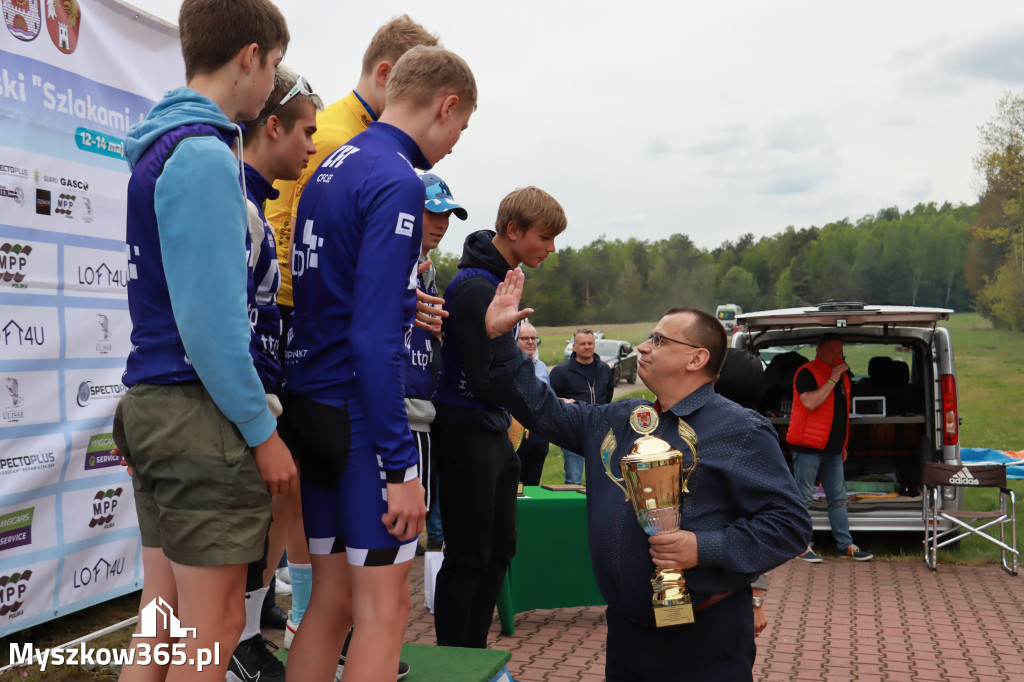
(187, 266)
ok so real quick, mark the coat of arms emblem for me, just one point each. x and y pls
(63, 19)
(23, 18)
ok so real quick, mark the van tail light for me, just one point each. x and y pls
(950, 416)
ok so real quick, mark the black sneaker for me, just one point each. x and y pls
(403, 667)
(253, 660)
(274, 617)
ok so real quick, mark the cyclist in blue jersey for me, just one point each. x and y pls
(357, 240)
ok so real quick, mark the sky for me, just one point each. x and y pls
(646, 119)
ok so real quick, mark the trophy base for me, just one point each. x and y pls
(678, 614)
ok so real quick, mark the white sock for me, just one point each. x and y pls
(253, 609)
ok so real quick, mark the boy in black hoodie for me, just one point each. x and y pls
(478, 469)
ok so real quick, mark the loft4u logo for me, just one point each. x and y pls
(302, 259)
(63, 20)
(104, 504)
(13, 589)
(23, 18)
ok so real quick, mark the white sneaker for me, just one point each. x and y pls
(283, 575)
(282, 589)
(289, 633)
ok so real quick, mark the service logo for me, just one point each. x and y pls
(13, 261)
(13, 412)
(16, 528)
(23, 18)
(104, 504)
(98, 453)
(13, 589)
(43, 201)
(63, 20)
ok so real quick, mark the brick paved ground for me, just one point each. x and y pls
(835, 621)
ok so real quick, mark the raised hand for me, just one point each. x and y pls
(503, 314)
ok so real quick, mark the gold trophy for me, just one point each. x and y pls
(655, 476)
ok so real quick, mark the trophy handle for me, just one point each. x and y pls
(608, 446)
(689, 437)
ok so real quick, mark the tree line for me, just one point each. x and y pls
(964, 257)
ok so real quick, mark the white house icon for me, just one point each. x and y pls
(170, 621)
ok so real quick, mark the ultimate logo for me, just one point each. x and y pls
(12, 593)
(23, 18)
(103, 505)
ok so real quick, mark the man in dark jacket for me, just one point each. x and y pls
(477, 467)
(585, 379)
(742, 514)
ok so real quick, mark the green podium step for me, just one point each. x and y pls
(449, 664)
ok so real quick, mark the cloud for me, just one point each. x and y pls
(626, 222)
(998, 56)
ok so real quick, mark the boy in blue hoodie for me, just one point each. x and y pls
(195, 423)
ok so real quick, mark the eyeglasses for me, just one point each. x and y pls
(301, 87)
(530, 339)
(658, 339)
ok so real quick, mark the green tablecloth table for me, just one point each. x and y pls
(551, 568)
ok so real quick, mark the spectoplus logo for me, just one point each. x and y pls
(13, 262)
(13, 171)
(30, 462)
(16, 528)
(43, 201)
(88, 391)
(98, 454)
(104, 504)
(13, 591)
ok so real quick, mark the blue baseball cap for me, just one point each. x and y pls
(439, 197)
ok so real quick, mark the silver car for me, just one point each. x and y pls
(904, 402)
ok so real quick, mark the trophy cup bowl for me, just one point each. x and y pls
(653, 473)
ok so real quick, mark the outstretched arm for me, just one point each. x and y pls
(503, 314)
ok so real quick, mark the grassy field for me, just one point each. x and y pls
(990, 368)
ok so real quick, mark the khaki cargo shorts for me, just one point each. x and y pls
(198, 493)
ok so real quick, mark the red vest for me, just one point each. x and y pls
(810, 428)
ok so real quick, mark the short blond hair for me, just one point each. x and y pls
(424, 72)
(394, 39)
(529, 207)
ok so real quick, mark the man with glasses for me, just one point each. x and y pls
(582, 377)
(742, 514)
(533, 449)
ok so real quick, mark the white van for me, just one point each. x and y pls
(904, 404)
(726, 314)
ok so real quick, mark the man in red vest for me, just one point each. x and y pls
(818, 431)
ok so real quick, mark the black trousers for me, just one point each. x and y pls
(717, 647)
(478, 475)
(532, 452)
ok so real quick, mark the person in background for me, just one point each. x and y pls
(533, 449)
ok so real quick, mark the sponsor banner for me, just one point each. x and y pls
(29, 333)
(27, 266)
(30, 463)
(96, 333)
(94, 511)
(95, 272)
(92, 393)
(27, 398)
(91, 456)
(26, 590)
(27, 527)
(99, 569)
